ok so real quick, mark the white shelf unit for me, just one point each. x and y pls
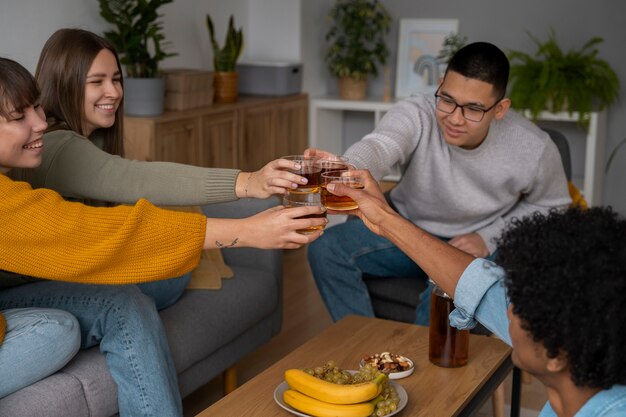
(595, 147)
(326, 131)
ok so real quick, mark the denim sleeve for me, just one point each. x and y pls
(480, 296)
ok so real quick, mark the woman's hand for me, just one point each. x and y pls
(373, 208)
(273, 178)
(274, 228)
(471, 243)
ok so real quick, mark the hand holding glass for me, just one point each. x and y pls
(309, 169)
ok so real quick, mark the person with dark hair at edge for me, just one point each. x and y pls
(556, 294)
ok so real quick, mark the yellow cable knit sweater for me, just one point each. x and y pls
(47, 237)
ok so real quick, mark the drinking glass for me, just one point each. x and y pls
(309, 169)
(299, 199)
(343, 176)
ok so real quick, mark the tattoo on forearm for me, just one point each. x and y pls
(221, 245)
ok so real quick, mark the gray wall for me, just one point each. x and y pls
(504, 23)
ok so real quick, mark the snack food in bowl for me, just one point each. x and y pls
(396, 366)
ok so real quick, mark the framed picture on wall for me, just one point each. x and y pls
(420, 41)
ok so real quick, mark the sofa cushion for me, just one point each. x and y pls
(204, 320)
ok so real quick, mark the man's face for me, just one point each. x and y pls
(455, 128)
(527, 355)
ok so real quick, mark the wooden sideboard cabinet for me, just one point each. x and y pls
(245, 135)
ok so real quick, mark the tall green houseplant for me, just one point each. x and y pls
(226, 78)
(554, 80)
(138, 34)
(225, 58)
(357, 38)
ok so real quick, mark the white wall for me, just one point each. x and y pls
(26, 24)
(271, 28)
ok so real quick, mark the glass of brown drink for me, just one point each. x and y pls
(299, 199)
(346, 177)
(447, 346)
(309, 169)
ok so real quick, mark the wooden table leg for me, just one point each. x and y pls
(230, 380)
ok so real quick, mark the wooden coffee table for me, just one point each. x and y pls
(432, 390)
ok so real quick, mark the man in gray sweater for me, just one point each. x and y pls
(469, 165)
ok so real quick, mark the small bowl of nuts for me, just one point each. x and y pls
(395, 366)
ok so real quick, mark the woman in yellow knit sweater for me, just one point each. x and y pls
(47, 237)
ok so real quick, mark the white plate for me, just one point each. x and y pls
(282, 387)
(397, 375)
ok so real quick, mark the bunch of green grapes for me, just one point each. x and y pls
(332, 373)
(389, 403)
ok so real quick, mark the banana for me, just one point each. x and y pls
(334, 393)
(317, 408)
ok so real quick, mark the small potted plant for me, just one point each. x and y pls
(553, 80)
(224, 60)
(357, 44)
(139, 40)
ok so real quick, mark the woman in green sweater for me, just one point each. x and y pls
(44, 236)
(81, 81)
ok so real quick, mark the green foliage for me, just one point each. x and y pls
(224, 59)
(138, 35)
(357, 38)
(451, 44)
(553, 80)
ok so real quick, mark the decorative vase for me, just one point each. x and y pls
(226, 86)
(143, 96)
(351, 89)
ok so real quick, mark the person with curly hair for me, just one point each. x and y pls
(555, 294)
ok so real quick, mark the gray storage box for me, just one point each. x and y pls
(270, 78)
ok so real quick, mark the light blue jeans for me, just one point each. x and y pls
(347, 251)
(124, 322)
(33, 334)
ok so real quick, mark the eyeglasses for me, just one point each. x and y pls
(469, 111)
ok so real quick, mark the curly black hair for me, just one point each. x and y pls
(566, 277)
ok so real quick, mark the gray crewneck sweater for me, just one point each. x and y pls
(450, 191)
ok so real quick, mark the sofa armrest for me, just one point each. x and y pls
(266, 260)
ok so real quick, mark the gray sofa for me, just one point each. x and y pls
(208, 332)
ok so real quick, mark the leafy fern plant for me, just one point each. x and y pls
(138, 35)
(357, 38)
(553, 80)
(224, 59)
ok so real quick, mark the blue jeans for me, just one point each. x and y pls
(347, 251)
(126, 325)
(38, 342)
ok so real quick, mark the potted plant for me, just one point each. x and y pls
(357, 44)
(139, 40)
(553, 80)
(451, 44)
(224, 60)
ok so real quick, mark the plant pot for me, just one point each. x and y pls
(226, 86)
(143, 96)
(351, 89)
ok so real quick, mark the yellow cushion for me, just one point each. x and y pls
(577, 197)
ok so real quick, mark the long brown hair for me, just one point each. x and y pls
(62, 73)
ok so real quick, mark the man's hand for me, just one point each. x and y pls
(373, 208)
(471, 243)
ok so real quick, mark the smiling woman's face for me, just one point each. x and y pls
(21, 143)
(103, 92)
